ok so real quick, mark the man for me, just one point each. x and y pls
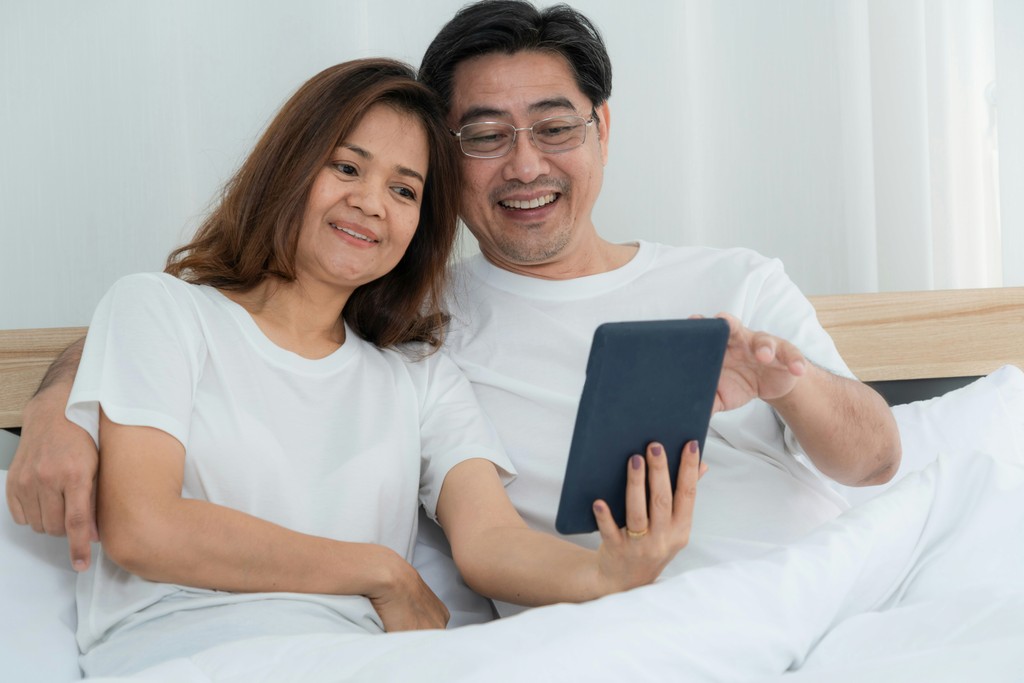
(527, 94)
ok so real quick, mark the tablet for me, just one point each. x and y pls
(646, 381)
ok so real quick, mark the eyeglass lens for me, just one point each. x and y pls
(556, 134)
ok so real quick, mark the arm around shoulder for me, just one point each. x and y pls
(51, 483)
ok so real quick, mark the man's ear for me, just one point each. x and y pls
(604, 121)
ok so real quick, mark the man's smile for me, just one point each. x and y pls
(534, 203)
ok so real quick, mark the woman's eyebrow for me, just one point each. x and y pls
(401, 170)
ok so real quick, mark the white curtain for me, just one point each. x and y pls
(857, 139)
(870, 144)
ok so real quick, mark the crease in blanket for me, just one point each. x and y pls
(751, 620)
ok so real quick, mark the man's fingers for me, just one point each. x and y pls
(14, 505)
(51, 508)
(80, 523)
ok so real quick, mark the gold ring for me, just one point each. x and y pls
(635, 534)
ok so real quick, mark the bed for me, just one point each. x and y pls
(922, 580)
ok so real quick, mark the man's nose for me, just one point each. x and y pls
(524, 162)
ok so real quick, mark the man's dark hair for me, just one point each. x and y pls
(510, 26)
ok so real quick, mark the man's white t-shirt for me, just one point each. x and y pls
(345, 447)
(524, 342)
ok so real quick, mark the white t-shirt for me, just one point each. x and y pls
(344, 447)
(524, 342)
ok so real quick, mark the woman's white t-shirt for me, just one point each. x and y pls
(344, 447)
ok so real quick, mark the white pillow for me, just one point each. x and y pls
(985, 416)
(37, 591)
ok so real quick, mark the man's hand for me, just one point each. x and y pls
(756, 365)
(51, 485)
(657, 524)
(407, 603)
(844, 426)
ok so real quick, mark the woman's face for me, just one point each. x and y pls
(364, 205)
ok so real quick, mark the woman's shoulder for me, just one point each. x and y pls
(150, 296)
(152, 286)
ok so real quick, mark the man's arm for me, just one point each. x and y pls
(51, 483)
(844, 426)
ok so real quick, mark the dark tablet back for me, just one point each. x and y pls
(646, 381)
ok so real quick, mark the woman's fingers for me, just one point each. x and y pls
(636, 496)
(659, 483)
(651, 505)
(691, 469)
(611, 536)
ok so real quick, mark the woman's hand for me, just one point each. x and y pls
(405, 602)
(656, 529)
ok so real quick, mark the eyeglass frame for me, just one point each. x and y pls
(515, 134)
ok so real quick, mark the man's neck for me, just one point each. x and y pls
(599, 257)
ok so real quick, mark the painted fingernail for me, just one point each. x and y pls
(693, 446)
(655, 449)
(635, 462)
(597, 506)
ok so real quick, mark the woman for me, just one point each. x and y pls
(270, 416)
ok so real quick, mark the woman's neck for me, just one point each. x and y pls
(304, 320)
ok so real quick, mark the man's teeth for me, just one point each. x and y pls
(528, 203)
(353, 233)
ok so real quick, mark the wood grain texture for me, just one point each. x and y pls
(887, 336)
(24, 357)
(915, 335)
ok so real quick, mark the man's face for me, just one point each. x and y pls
(527, 208)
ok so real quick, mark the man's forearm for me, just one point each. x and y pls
(844, 426)
(61, 373)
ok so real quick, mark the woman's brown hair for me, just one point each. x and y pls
(253, 232)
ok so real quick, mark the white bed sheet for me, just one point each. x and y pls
(933, 566)
(923, 582)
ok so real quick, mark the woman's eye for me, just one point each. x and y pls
(347, 169)
(406, 193)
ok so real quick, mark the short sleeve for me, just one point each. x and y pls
(453, 428)
(780, 308)
(141, 360)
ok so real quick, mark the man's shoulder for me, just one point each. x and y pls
(710, 256)
(687, 266)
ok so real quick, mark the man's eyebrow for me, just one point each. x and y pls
(401, 170)
(542, 106)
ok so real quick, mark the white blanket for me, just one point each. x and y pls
(924, 582)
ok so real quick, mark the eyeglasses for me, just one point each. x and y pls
(554, 135)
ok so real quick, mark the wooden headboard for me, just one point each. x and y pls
(883, 338)
(917, 335)
(24, 357)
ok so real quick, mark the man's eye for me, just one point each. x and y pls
(557, 130)
(487, 136)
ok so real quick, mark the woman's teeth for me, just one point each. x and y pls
(353, 233)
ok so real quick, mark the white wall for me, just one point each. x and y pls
(734, 122)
